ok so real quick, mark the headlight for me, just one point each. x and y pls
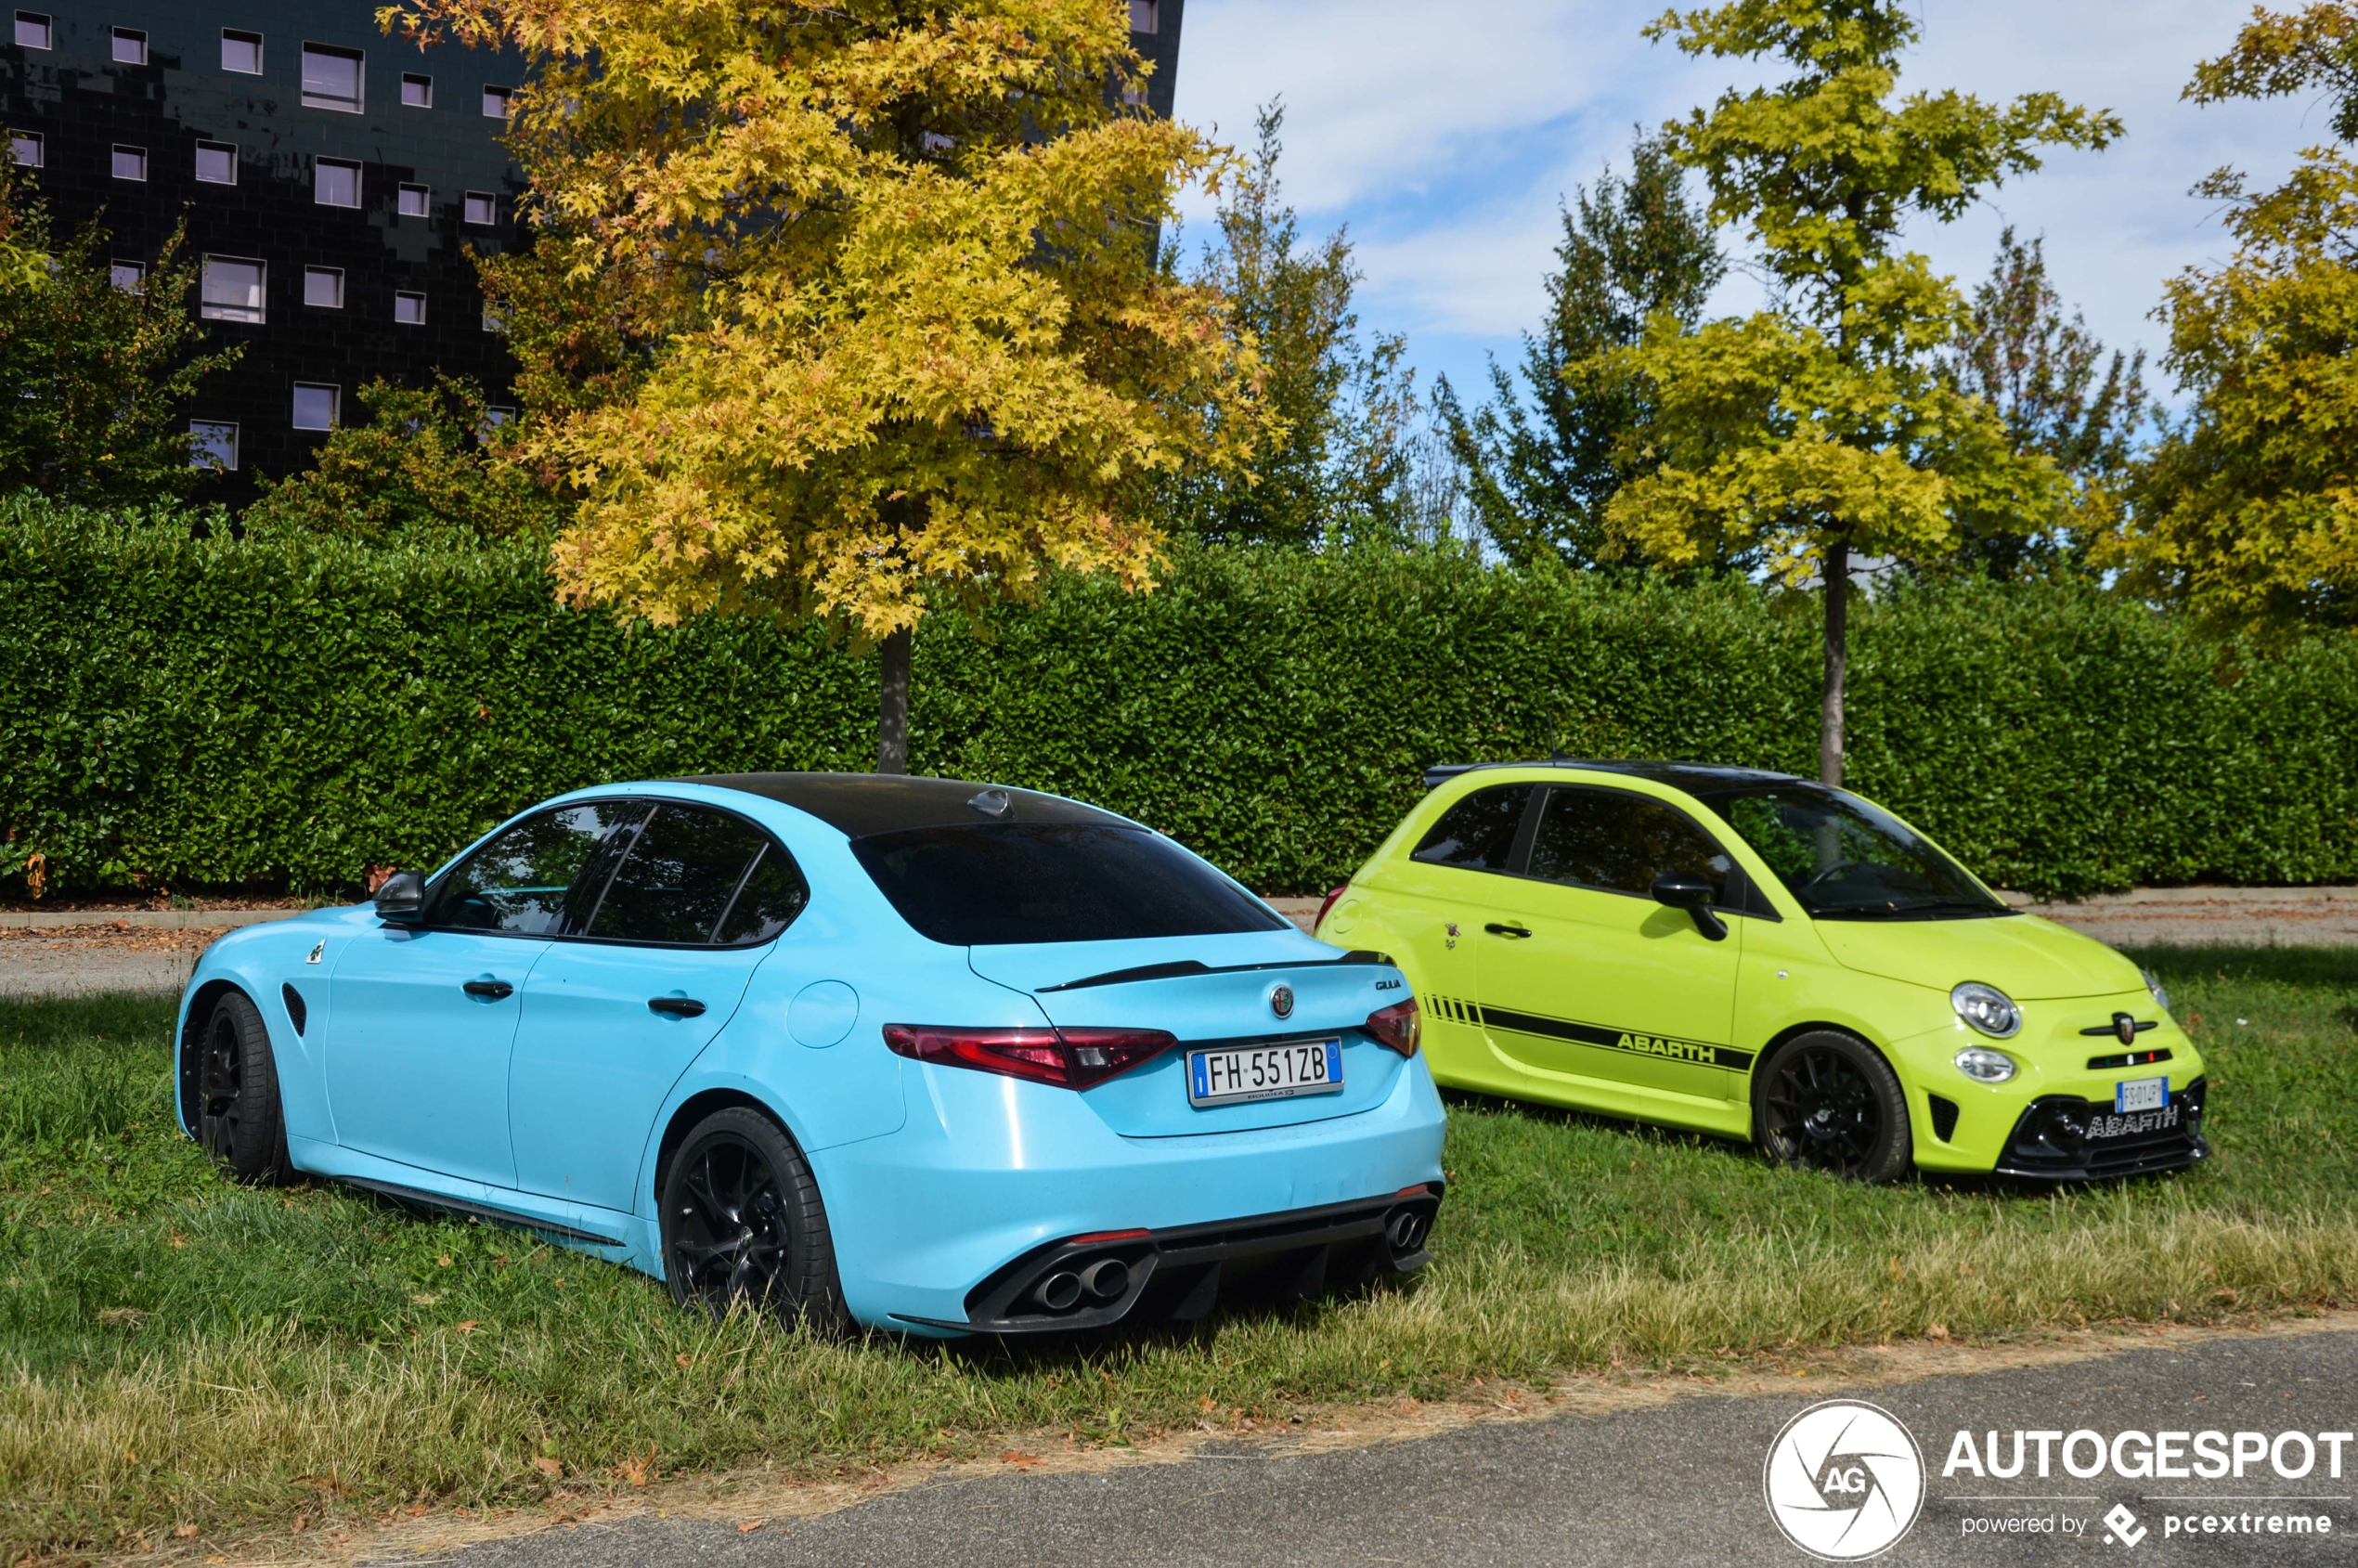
(1985, 1065)
(2153, 983)
(1986, 1008)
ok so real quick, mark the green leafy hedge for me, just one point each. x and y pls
(222, 713)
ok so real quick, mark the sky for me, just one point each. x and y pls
(1446, 134)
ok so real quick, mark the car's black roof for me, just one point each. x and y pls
(1692, 777)
(860, 804)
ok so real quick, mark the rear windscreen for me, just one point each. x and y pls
(996, 883)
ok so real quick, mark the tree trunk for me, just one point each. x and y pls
(892, 711)
(1837, 583)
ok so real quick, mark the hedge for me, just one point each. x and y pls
(214, 713)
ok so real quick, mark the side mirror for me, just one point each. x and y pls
(401, 899)
(1692, 894)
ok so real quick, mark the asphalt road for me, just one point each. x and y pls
(1675, 1483)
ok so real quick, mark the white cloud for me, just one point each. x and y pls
(1447, 134)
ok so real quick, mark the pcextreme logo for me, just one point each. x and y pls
(1844, 1479)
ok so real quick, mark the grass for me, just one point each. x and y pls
(178, 1353)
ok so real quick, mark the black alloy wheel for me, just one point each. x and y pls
(1829, 1102)
(238, 1120)
(742, 1223)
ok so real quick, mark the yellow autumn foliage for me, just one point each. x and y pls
(853, 305)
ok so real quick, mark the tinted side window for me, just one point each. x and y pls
(773, 895)
(520, 881)
(683, 873)
(1620, 842)
(1478, 832)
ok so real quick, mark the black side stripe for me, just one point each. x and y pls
(1636, 1043)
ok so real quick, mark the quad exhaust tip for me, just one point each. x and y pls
(1105, 1280)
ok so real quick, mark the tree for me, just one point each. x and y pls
(427, 461)
(98, 375)
(1822, 427)
(1333, 460)
(875, 326)
(2248, 511)
(2049, 381)
(1537, 478)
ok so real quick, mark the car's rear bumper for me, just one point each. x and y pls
(991, 1175)
(1183, 1272)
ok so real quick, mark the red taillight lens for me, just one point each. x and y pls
(1328, 904)
(1396, 1026)
(1072, 1058)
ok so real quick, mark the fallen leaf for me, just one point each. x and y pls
(469, 1327)
(302, 1522)
(548, 1466)
(750, 1527)
(444, 1260)
(1016, 1459)
(684, 1359)
(1938, 1332)
(185, 1532)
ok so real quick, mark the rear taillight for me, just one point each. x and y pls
(1070, 1058)
(1396, 1026)
(1328, 904)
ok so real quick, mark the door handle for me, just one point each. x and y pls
(1495, 929)
(675, 1007)
(490, 990)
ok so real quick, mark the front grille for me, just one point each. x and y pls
(2051, 1143)
(2128, 1058)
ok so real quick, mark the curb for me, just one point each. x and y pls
(151, 919)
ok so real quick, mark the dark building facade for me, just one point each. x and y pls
(333, 180)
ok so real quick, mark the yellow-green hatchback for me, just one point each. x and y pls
(1754, 955)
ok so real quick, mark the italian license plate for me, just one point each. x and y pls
(1264, 1072)
(2140, 1094)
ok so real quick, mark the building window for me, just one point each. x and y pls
(131, 276)
(495, 416)
(409, 308)
(1143, 18)
(483, 208)
(335, 183)
(33, 31)
(216, 162)
(1133, 93)
(24, 148)
(417, 92)
(331, 78)
(413, 200)
(492, 320)
(213, 444)
(495, 102)
(323, 286)
(242, 52)
(232, 290)
(130, 162)
(130, 46)
(314, 406)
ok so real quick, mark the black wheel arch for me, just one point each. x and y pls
(187, 1070)
(694, 1109)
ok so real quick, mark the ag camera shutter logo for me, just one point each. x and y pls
(1844, 1479)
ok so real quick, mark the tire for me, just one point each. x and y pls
(1827, 1101)
(742, 1223)
(239, 1119)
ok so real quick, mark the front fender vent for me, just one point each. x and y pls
(297, 1014)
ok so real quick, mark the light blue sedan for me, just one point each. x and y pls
(922, 1055)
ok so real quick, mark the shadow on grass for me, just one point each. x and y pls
(135, 1017)
(2227, 961)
